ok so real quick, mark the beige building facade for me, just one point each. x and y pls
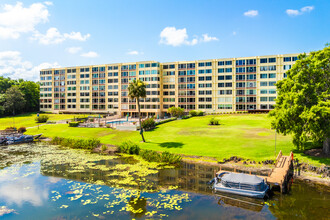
(212, 86)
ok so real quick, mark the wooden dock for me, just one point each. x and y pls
(280, 175)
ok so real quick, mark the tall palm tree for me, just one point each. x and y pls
(137, 90)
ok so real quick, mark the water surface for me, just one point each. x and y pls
(45, 182)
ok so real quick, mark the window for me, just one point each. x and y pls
(263, 91)
(287, 67)
(201, 71)
(240, 62)
(221, 63)
(251, 69)
(287, 59)
(221, 85)
(294, 58)
(240, 70)
(221, 70)
(201, 64)
(229, 84)
(272, 99)
(251, 62)
(251, 76)
(272, 91)
(229, 70)
(208, 64)
(272, 75)
(271, 68)
(240, 85)
(240, 77)
(221, 77)
(263, 60)
(228, 62)
(263, 99)
(263, 68)
(272, 83)
(263, 76)
(263, 83)
(229, 77)
(272, 60)
(209, 71)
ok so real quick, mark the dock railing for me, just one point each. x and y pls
(278, 157)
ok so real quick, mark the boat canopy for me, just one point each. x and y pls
(242, 179)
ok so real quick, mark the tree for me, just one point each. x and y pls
(6, 83)
(176, 111)
(137, 90)
(14, 100)
(303, 102)
(31, 91)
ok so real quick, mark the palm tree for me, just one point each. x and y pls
(137, 90)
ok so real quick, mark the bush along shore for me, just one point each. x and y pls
(303, 171)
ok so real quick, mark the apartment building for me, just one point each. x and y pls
(212, 86)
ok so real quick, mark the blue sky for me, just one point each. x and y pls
(38, 34)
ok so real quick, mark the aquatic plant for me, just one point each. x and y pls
(87, 144)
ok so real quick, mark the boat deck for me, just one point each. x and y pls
(280, 174)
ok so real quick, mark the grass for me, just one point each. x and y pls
(27, 120)
(246, 136)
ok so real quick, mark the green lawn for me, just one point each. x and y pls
(246, 136)
(27, 120)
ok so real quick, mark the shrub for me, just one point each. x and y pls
(165, 121)
(148, 124)
(42, 119)
(87, 144)
(11, 128)
(92, 119)
(214, 121)
(22, 130)
(165, 157)
(186, 116)
(193, 113)
(104, 147)
(175, 111)
(200, 113)
(129, 147)
(73, 124)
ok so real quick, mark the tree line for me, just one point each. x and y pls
(18, 96)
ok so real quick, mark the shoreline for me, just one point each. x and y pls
(235, 164)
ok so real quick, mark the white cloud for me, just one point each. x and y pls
(73, 50)
(295, 12)
(251, 13)
(53, 36)
(12, 65)
(90, 54)
(292, 12)
(77, 36)
(207, 38)
(234, 33)
(177, 37)
(134, 52)
(307, 9)
(16, 19)
(48, 3)
(174, 37)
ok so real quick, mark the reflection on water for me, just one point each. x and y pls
(39, 181)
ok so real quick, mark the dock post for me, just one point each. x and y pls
(281, 186)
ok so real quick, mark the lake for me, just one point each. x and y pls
(39, 181)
